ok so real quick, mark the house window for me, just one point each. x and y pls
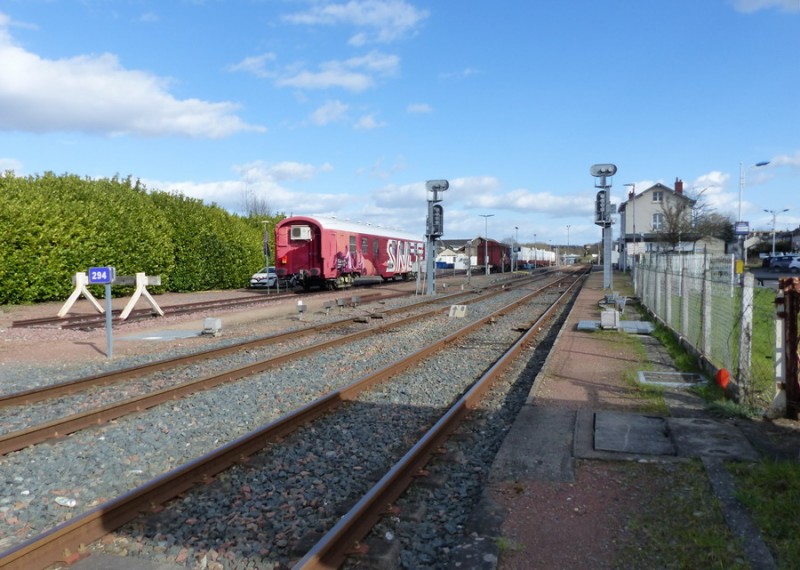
(658, 196)
(658, 222)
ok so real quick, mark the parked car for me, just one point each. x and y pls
(265, 277)
(794, 264)
(782, 263)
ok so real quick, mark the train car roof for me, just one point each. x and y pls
(352, 227)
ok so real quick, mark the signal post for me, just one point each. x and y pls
(434, 229)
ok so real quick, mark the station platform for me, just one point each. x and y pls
(581, 408)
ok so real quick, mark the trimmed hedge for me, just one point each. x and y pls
(55, 226)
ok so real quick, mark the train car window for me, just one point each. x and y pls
(352, 243)
(375, 248)
(364, 245)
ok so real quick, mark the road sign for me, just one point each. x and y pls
(101, 275)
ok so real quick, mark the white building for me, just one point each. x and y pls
(643, 220)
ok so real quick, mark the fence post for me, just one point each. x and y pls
(684, 303)
(668, 292)
(705, 348)
(746, 335)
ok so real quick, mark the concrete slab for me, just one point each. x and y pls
(538, 447)
(699, 437)
(632, 433)
(161, 335)
(618, 435)
(669, 379)
(630, 327)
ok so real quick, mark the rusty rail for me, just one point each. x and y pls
(333, 548)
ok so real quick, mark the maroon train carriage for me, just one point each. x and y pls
(329, 253)
(499, 255)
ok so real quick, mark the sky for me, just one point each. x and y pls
(346, 108)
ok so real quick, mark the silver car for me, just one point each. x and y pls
(265, 277)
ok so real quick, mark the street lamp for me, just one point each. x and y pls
(566, 253)
(740, 230)
(774, 215)
(632, 186)
(486, 240)
(741, 182)
(514, 249)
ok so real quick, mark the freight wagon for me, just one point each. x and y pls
(329, 253)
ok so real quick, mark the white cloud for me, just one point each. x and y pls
(96, 94)
(786, 160)
(355, 74)
(368, 122)
(329, 112)
(749, 6)
(385, 20)
(260, 180)
(10, 164)
(463, 74)
(257, 65)
(419, 108)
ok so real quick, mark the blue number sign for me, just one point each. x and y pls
(101, 275)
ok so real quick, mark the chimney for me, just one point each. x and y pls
(678, 186)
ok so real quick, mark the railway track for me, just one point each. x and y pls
(66, 538)
(60, 427)
(84, 321)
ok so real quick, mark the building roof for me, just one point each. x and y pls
(658, 187)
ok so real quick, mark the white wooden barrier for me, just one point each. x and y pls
(81, 280)
(141, 281)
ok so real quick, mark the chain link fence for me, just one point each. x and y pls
(728, 321)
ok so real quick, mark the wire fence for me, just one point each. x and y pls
(722, 315)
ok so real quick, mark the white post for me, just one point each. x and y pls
(141, 283)
(81, 280)
(746, 334)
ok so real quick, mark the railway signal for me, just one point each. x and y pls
(603, 214)
(435, 229)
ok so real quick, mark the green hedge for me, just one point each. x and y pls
(55, 226)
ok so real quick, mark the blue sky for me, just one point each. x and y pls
(347, 107)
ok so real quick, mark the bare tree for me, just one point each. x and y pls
(677, 225)
(255, 206)
(692, 219)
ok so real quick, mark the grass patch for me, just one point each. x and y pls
(652, 396)
(771, 491)
(506, 545)
(680, 525)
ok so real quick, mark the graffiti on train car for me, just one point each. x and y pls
(403, 255)
(350, 261)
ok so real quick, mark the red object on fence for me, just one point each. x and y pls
(723, 378)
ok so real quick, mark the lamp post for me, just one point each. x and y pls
(486, 240)
(566, 253)
(741, 229)
(535, 253)
(514, 249)
(774, 215)
(632, 186)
